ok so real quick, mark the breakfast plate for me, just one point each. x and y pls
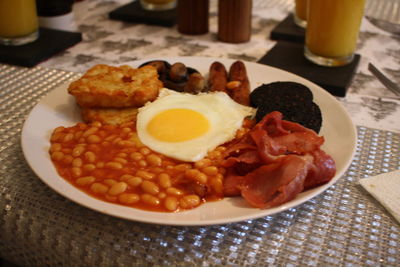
(58, 108)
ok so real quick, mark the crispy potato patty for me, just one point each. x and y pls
(114, 116)
(115, 87)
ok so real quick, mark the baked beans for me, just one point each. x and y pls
(110, 163)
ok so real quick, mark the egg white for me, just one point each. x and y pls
(224, 115)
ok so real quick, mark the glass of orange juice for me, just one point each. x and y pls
(18, 22)
(300, 13)
(158, 4)
(332, 31)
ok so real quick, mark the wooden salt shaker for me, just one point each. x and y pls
(193, 16)
(234, 20)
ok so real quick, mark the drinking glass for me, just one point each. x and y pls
(18, 22)
(300, 13)
(332, 31)
(158, 4)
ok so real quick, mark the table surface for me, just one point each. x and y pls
(343, 226)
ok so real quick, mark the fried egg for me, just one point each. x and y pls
(185, 126)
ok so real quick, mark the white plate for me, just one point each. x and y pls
(59, 109)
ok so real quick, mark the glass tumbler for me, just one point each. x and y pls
(300, 13)
(332, 31)
(18, 22)
(158, 5)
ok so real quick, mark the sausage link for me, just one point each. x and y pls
(218, 77)
(240, 94)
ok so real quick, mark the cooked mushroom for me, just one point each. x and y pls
(195, 84)
(178, 72)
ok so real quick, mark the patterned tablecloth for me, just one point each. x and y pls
(344, 226)
(116, 43)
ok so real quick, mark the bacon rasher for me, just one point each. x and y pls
(275, 161)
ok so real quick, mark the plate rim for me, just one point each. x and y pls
(262, 213)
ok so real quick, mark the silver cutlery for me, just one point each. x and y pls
(384, 80)
(385, 25)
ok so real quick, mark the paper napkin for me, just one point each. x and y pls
(386, 189)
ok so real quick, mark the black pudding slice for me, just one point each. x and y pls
(306, 114)
(293, 100)
(280, 91)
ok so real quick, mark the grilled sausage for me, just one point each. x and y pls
(240, 93)
(218, 77)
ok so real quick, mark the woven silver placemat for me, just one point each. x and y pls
(344, 226)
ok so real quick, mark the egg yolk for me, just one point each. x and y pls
(178, 125)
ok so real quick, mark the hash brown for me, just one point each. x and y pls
(114, 116)
(116, 87)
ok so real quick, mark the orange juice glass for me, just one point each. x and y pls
(300, 13)
(158, 4)
(332, 30)
(18, 22)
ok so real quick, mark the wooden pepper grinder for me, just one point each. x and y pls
(193, 16)
(234, 20)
